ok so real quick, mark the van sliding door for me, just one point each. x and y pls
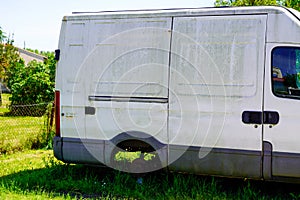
(216, 83)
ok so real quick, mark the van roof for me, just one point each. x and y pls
(121, 14)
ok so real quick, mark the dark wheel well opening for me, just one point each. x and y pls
(135, 145)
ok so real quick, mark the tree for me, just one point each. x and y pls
(289, 3)
(32, 84)
(293, 4)
(2, 35)
(9, 55)
(245, 2)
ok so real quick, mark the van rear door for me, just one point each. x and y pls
(73, 45)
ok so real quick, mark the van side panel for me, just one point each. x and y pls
(128, 77)
(216, 74)
(117, 81)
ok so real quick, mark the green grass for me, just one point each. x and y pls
(37, 175)
(131, 156)
(5, 103)
(16, 164)
(19, 133)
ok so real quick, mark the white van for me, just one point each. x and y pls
(207, 91)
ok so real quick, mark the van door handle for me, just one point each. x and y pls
(257, 117)
(252, 117)
(271, 117)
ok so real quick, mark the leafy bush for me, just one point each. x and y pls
(8, 56)
(289, 3)
(31, 85)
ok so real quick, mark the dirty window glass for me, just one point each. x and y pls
(286, 72)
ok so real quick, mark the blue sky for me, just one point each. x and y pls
(37, 22)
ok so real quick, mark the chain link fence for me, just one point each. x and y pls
(35, 110)
(24, 127)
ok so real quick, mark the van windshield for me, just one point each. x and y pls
(286, 72)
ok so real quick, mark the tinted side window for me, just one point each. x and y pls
(286, 72)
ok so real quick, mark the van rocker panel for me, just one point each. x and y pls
(218, 161)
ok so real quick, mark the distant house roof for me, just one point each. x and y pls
(30, 56)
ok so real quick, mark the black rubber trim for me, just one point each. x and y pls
(129, 99)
